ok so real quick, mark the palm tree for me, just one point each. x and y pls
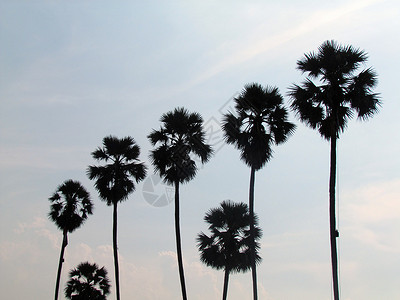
(180, 139)
(87, 282)
(228, 246)
(114, 180)
(260, 122)
(329, 106)
(70, 207)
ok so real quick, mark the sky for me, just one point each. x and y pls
(73, 72)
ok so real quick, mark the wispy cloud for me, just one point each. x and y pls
(260, 42)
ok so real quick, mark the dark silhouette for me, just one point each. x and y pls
(87, 282)
(180, 137)
(228, 246)
(114, 181)
(329, 106)
(70, 207)
(260, 122)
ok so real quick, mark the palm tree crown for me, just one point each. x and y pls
(260, 121)
(228, 246)
(113, 180)
(70, 206)
(180, 137)
(328, 106)
(87, 282)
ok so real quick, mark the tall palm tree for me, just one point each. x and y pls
(329, 106)
(87, 282)
(180, 139)
(228, 245)
(70, 207)
(260, 121)
(114, 179)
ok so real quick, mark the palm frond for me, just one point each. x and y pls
(309, 64)
(157, 136)
(360, 95)
(100, 154)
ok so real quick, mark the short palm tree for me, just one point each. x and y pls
(180, 139)
(87, 282)
(228, 245)
(329, 106)
(260, 121)
(115, 179)
(70, 207)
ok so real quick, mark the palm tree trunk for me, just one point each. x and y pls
(178, 242)
(226, 279)
(115, 248)
(252, 238)
(332, 217)
(60, 262)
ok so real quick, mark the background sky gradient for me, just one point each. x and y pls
(72, 72)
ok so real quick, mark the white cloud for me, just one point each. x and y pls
(39, 227)
(371, 214)
(11, 250)
(38, 222)
(168, 254)
(374, 203)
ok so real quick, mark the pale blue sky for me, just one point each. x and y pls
(72, 72)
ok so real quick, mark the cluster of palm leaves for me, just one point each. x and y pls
(87, 282)
(325, 101)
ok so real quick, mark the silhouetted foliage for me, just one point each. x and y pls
(70, 207)
(115, 180)
(328, 106)
(259, 122)
(180, 138)
(342, 91)
(87, 282)
(228, 245)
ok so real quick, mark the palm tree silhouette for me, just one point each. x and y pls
(329, 106)
(87, 282)
(180, 139)
(228, 245)
(260, 122)
(70, 207)
(114, 181)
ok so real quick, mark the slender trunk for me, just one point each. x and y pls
(332, 217)
(226, 279)
(115, 248)
(63, 245)
(178, 242)
(252, 238)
